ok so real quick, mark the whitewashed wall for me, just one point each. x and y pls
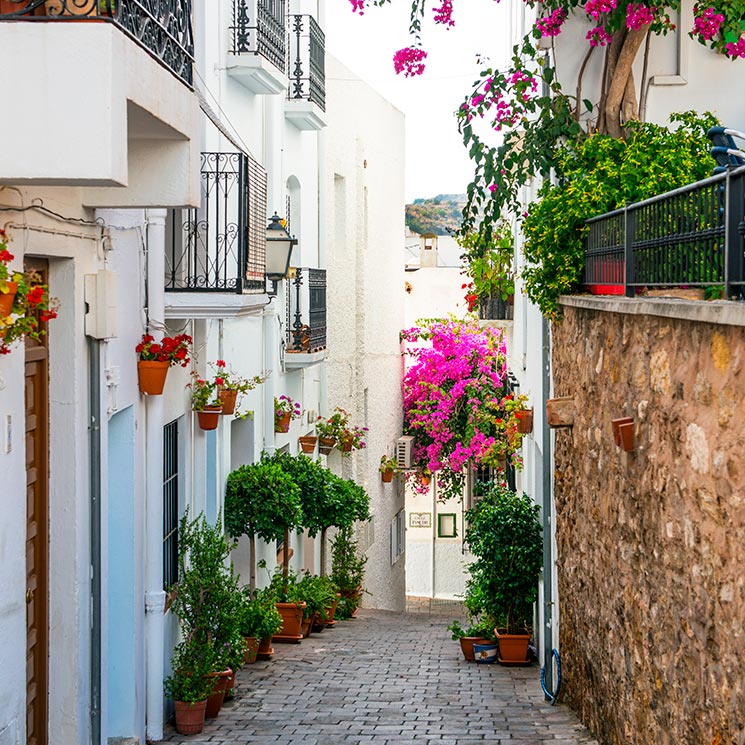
(364, 183)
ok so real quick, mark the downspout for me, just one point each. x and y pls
(94, 447)
(546, 461)
(155, 597)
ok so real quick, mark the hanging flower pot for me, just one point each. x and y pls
(387, 476)
(151, 375)
(7, 298)
(346, 446)
(560, 412)
(308, 443)
(209, 417)
(282, 422)
(228, 399)
(326, 445)
(616, 424)
(524, 421)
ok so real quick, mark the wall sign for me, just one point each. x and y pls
(420, 519)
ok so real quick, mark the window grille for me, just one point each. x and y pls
(170, 504)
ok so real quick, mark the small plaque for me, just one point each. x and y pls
(420, 519)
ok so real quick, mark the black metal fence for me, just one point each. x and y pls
(307, 61)
(221, 247)
(306, 311)
(689, 237)
(259, 27)
(162, 27)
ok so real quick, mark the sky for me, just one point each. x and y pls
(436, 160)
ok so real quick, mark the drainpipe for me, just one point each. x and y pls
(155, 597)
(94, 445)
(546, 461)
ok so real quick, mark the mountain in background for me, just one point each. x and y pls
(437, 215)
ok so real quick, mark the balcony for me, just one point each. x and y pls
(258, 57)
(117, 70)
(689, 238)
(306, 96)
(216, 255)
(306, 317)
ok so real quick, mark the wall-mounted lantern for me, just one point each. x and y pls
(279, 245)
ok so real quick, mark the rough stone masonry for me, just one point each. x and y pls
(651, 544)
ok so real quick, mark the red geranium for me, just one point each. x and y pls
(171, 349)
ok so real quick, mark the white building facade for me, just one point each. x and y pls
(139, 175)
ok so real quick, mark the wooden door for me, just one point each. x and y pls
(37, 489)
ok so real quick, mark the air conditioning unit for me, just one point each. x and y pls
(404, 446)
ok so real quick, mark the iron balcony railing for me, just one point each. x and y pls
(692, 236)
(307, 61)
(260, 27)
(306, 311)
(162, 27)
(221, 247)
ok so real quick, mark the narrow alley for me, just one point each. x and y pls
(387, 678)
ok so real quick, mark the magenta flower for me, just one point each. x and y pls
(409, 61)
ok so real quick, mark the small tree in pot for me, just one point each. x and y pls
(262, 499)
(347, 571)
(505, 535)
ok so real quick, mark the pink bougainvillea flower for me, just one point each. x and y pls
(595, 8)
(638, 16)
(707, 23)
(598, 37)
(551, 25)
(358, 6)
(444, 14)
(736, 49)
(409, 61)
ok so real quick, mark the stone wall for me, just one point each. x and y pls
(651, 544)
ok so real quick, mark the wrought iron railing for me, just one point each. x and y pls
(162, 27)
(306, 311)
(221, 247)
(260, 27)
(692, 236)
(307, 61)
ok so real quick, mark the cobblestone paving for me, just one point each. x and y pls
(387, 678)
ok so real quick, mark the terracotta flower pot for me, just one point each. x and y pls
(560, 412)
(308, 443)
(209, 417)
(228, 399)
(265, 650)
(513, 648)
(525, 421)
(326, 445)
(306, 625)
(466, 646)
(330, 622)
(214, 701)
(282, 423)
(151, 376)
(615, 426)
(387, 476)
(292, 618)
(190, 717)
(425, 480)
(252, 649)
(626, 435)
(7, 298)
(230, 687)
(346, 446)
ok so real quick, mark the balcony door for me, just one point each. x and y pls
(37, 491)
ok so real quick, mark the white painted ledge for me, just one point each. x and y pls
(214, 305)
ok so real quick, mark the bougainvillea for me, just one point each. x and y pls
(456, 402)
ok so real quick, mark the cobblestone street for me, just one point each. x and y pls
(387, 678)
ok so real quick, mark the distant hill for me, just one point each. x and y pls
(436, 215)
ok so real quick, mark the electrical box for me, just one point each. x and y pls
(403, 451)
(100, 298)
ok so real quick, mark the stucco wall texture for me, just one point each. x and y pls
(651, 544)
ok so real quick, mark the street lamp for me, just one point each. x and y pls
(279, 245)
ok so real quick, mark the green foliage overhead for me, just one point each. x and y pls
(505, 535)
(599, 174)
(262, 499)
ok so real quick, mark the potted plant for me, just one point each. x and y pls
(504, 534)
(205, 401)
(328, 430)
(155, 358)
(308, 443)
(347, 571)
(388, 468)
(319, 594)
(285, 410)
(231, 387)
(259, 621)
(351, 438)
(478, 632)
(25, 304)
(189, 684)
(207, 600)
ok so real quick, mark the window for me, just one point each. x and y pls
(446, 525)
(170, 504)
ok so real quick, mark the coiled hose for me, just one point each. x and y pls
(549, 695)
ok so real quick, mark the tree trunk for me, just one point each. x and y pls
(252, 563)
(323, 552)
(619, 76)
(286, 559)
